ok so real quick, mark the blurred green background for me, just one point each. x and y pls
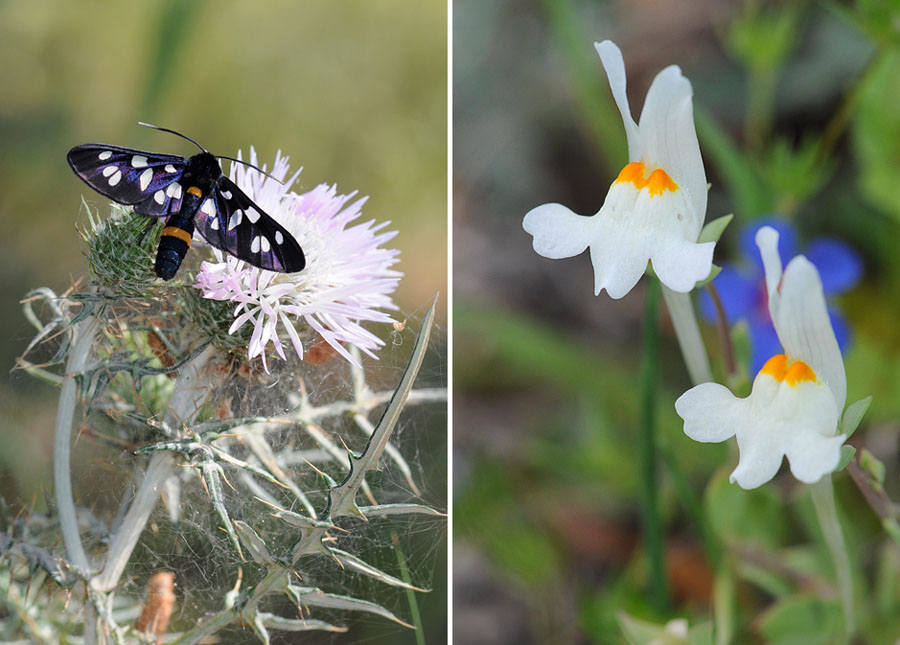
(798, 113)
(355, 93)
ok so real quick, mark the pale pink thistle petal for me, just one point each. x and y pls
(348, 279)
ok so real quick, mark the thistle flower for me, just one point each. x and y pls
(797, 398)
(347, 280)
(656, 206)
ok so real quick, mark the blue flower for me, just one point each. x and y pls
(742, 286)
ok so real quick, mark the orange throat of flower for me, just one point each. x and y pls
(797, 372)
(656, 184)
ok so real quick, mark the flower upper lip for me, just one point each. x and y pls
(654, 210)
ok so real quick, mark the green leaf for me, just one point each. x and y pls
(876, 135)
(713, 272)
(762, 38)
(801, 620)
(639, 632)
(749, 515)
(847, 453)
(853, 415)
(713, 230)
(794, 172)
(701, 634)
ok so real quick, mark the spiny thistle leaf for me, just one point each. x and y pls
(399, 509)
(311, 596)
(342, 499)
(212, 472)
(255, 544)
(352, 562)
(297, 624)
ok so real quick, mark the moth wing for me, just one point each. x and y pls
(232, 222)
(149, 181)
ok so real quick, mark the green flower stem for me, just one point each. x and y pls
(826, 512)
(760, 99)
(410, 594)
(82, 340)
(684, 320)
(723, 604)
(648, 453)
(724, 331)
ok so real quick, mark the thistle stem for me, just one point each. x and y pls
(687, 331)
(82, 340)
(826, 512)
(183, 406)
(648, 453)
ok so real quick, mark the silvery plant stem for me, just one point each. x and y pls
(189, 395)
(684, 320)
(82, 340)
(826, 512)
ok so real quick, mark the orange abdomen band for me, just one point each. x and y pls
(174, 231)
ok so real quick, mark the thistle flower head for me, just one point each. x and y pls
(348, 279)
(120, 251)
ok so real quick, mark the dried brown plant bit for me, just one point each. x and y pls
(319, 352)
(159, 349)
(159, 605)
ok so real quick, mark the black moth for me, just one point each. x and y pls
(189, 192)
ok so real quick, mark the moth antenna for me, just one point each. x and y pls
(245, 163)
(178, 134)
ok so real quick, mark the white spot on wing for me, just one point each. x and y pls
(106, 154)
(146, 176)
(252, 215)
(208, 207)
(115, 178)
(266, 247)
(169, 168)
(279, 238)
(226, 194)
(236, 218)
(174, 190)
(214, 224)
(159, 197)
(139, 161)
(254, 245)
(109, 170)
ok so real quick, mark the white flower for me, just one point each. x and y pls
(656, 206)
(347, 279)
(797, 398)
